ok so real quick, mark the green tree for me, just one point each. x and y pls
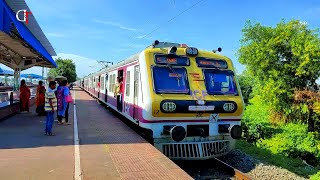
(246, 83)
(281, 58)
(66, 68)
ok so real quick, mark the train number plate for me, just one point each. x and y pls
(201, 108)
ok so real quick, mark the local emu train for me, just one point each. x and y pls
(188, 100)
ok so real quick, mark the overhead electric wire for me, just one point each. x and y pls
(174, 17)
(169, 20)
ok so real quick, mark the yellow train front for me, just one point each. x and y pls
(191, 101)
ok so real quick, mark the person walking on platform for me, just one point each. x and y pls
(40, 98)
(50, 107)
(24, 97)
(62, 93)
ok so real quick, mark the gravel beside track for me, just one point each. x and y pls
(257, 169)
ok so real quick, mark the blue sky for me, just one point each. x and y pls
(113, 30)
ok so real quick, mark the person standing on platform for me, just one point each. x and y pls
(118, 93)
(24, 97)
(68, 101)
(121, 92)
(40, 98)
(62, 93)
(55, 92)
(50, 107)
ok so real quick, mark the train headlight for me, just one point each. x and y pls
(169, 106)
(191, 51)
(178, 133)
(236, 132)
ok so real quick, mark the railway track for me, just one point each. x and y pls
(237, 174)
(212, 169)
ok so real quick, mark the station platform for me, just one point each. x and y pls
(8, 109)
(108, 148)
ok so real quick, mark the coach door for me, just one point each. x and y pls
(136, 92)
(106, 88)
(98, 86)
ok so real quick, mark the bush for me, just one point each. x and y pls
(316, 176)
(255, 122)
(294, 141)
(255, 131)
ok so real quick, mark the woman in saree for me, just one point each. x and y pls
(40, 98)
(24, 96)
(62, 93)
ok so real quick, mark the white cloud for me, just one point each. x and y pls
(55, 34)
(145, 37)
(114, 24)
(140, 37)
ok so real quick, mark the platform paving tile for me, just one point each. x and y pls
(26, 153)
(120, 153)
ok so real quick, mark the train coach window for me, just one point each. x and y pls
(112, 82)
(128, 83)
(102, 83)
(169, 80)
(220, 82)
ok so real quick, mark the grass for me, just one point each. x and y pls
(293, 165)
(316, 176)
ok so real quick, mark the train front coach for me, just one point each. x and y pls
(192, 101)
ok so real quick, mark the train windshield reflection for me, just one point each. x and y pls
(169, 80)
(220, 82)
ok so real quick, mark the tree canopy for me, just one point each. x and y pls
(66, 68)
(281, 58)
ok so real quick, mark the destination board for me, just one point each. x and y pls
(212, 63)
(177, 60)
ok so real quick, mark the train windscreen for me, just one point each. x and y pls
(220, 82)
(169, 80)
